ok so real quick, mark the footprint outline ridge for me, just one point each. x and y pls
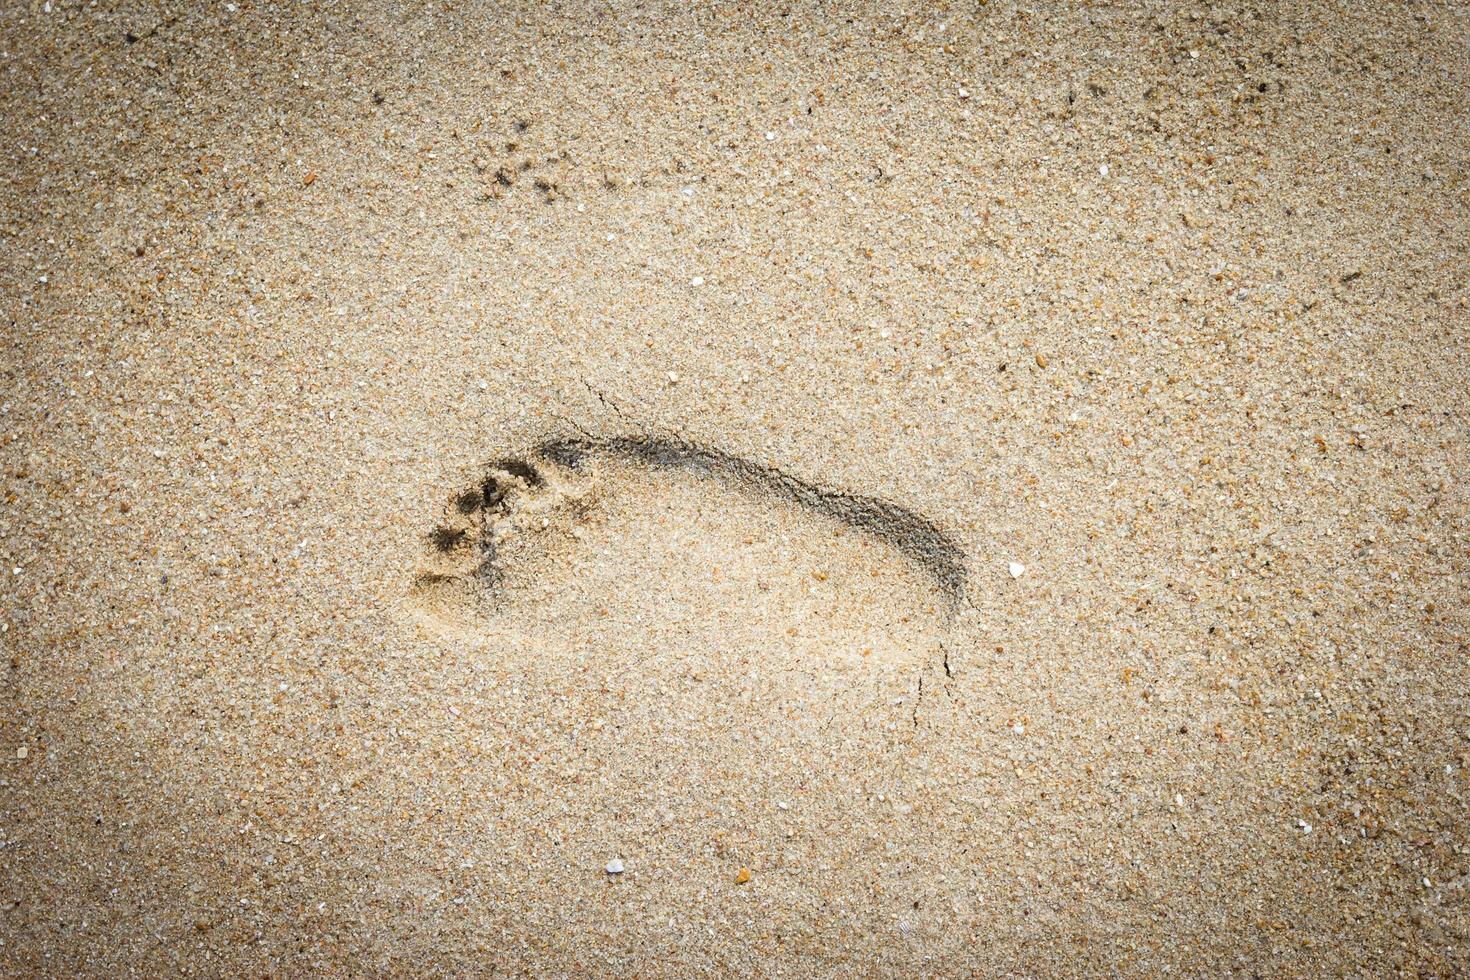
(914, 536)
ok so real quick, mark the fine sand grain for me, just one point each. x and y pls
(815, 489)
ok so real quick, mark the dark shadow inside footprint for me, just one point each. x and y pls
(447, 538)
(521, 470)
(469, 501)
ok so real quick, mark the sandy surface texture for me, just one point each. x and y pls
(833, 489)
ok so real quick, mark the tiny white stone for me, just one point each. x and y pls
(22, 752)
(781, 805)
(697, 281)
(770, 135)
(1103, 169)
(1018, 728)
(673, 377)
(1178, 799)
(1194, 54)
(1017, 569)
(615, 866)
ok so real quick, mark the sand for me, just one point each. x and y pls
(1157, 313)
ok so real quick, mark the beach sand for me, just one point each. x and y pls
(1064, 570)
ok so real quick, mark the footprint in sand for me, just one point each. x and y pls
(682, 547)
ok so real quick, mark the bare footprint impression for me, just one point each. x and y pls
(642, 551)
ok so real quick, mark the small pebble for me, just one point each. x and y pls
(1017, 569)
(22, 752)
(615, 866)
(743, 876)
